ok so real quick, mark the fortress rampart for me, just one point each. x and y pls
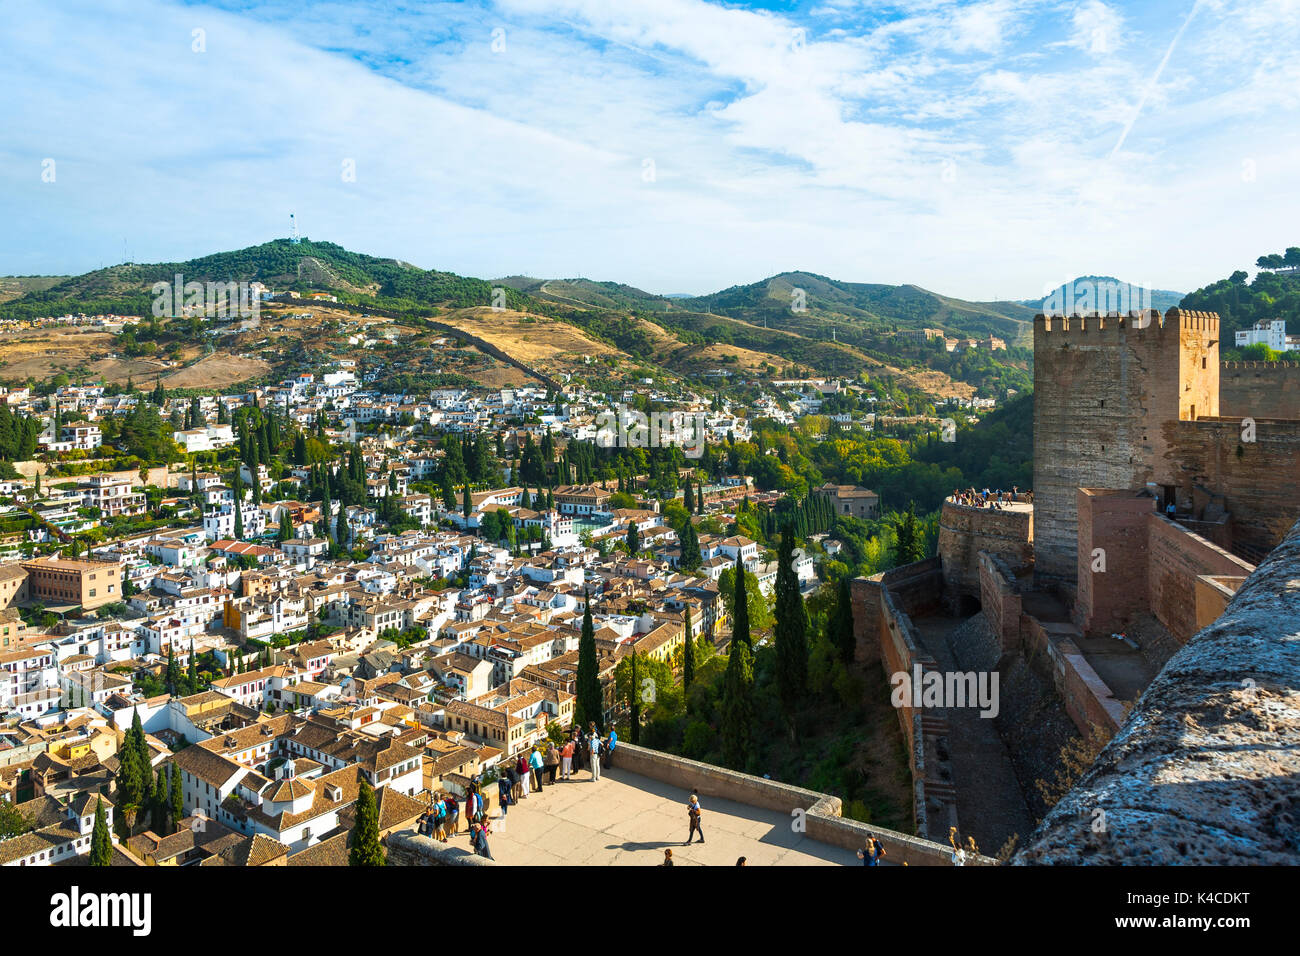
(1105, 389)
(965, 531)
(1260, 389)
(1205, 768)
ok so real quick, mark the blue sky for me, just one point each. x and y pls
(979, 149)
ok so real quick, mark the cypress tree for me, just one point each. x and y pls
(633, 539)
(341, 529)
(364, 847)
(177, 795)
(239, 506)
(738, 705)
(101, 844)
(740, 624)
(466, 506)
(589, 705)
(841, 623)
(192, 671)
(286, 525)
(636, 701)
(688, 651)
(299, 449)
(158, 806)
(791, 631)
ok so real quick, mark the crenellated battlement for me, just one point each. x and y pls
(1198, 321)
(1115, 322)
(1099, 322)
(1262, 366)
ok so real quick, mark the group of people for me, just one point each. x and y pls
(517, 778)
(997, 500)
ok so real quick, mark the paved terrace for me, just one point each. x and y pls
(629, 819)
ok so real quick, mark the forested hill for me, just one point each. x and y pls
(1274, 294)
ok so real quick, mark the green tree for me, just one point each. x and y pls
(589, 705)
(791, 631)
(466, 505)
(740, 608)
(101, 843)
(633, 539)
(738, 705)
(177, 794)
(841, 623)
(688, 652)
(364, 849)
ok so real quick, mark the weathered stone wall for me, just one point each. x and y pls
(1112, 582)
(1087, 698)
(1259, 389)
(1103, 386)
(964, 532)
(1000, 601)
(1256, 479)
(1206, 769)
(820, 812)
(408, 848)
(1178, 558)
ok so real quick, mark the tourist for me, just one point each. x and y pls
(523, 774)
(566, 760)
(693, 811)
(609, 747)
(871, 853)
(551, 761)
(535, 764)
(668, 858)
(478, 840)
(594, 745)
(422, 825)
(439, 819)
(504, 787)
(740, 862)
(453, 816)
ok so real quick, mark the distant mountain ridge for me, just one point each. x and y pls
(1092, 293)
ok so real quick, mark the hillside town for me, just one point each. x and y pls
(279, 624)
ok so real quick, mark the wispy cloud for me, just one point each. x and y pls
(978, 148)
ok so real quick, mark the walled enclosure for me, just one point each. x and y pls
(1259, 389)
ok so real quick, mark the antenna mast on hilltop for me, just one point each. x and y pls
(294, 238)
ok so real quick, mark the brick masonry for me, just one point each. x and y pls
(1259, 389)
(1178, 558)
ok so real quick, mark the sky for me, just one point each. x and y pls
(985, 149)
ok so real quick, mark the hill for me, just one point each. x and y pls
(841, 329)
(1274, 294)
(1102, 294)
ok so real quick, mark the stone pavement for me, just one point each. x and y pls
(628, 819)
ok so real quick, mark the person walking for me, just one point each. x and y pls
(595, 753)
(566, 760)
(535, 764)
(610, 744)
(551, 761)
(693, 811)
